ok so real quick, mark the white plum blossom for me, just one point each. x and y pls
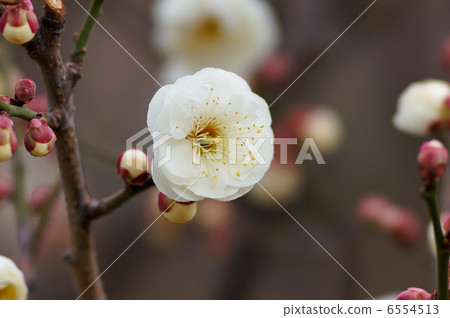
(219, 137)
(12, 282)
(423, 105)
(236, 35)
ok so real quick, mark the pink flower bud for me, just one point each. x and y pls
(278, 68)
(19, 24)
(39, 138)
(432, 158)
(38, 196)
(6, 188)
(402, 224)
(176, 212)
(8, 139)
(25, 91)
(133, 167)
(414, 293)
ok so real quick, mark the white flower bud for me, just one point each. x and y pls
(322, 123)
(133, 167)
(176, 212)
(423, 107)
(12, 281)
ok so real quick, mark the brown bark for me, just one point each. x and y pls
(59, 80)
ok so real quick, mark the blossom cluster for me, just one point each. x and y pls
(39, 138)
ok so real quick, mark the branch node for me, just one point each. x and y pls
(68, 258)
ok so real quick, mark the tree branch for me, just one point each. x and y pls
(45, 49)
(60, 80)
(105, 206)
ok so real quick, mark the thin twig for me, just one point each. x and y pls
(105, 206)
(81, 41)
(21, 112)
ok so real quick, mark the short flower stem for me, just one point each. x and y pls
(430, 195)
(21, 112)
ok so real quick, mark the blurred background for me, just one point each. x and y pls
(250, 248)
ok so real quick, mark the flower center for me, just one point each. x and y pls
(206, 136)
(7, 293)
(208, 29)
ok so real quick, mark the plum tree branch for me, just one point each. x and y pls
(60, 80)
(102, 207)
(45, 49)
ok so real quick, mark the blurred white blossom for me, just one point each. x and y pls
(236, 35)
(422, 107)
(215, 122)
(12, 282)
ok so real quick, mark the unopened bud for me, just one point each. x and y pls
(401, 223)
(39, 138)
(8, 139)
(6, 188)
(414, 293)
(322, 123)
(176, 212)
(278, 68)
(432, 158)
(39, 196)
(19, 24)
(25, 91)
(133, 167)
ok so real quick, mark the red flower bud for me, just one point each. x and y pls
(8, 139)
(414, 293)
(19, 23)
(176, 212)
(432, 158)
(39, 138)
(25, 91)
(133, 167)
